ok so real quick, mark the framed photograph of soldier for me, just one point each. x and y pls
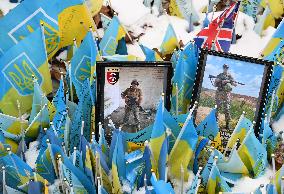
(128, 93)
(233, 84)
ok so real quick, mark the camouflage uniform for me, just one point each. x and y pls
(223, 95)
(133, 98)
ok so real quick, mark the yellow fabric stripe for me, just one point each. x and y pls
(70, 26)
(156, 145)
(181, 155)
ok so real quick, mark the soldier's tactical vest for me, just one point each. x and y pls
(225, 87)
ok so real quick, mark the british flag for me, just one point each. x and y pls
(218, 34)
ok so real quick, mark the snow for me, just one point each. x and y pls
(6, 6)
(142, 190)
(32, 153)
(278, 125)
(247, 184)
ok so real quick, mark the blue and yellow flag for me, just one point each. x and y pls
(11, 124)
(83, 62)
(157, 136)
(209, 129)
(103, 142)
(278, 177)
(78, 187)
(269, 139)
(74, 20)
(18, 66)
(163, 159)
(39, 100)
(105, 21)
(17, 171)
(94, 6)
(88, 165)
(253, 154)
(239, 132)
(276, 7)
(183, 9)
(150, 54)
(83, 113)
(113, 34)
(178, 88)
(59, 118)
(184, 77)
(160, 186)
(170, 41)
(190, 55)
(275, 40)
(260, 25)
(233, 164)
(26, 18)
(116, 185)
(216, 182)
(250, 7)
(183, 149)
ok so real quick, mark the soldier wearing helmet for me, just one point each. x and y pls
(224, 83)
(133, 98)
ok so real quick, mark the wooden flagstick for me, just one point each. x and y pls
(82, 128)
(214, 9)
(66, 185)
(273, 168)
(22, 129)
(64, 148)
(178, 38)
(145, 182)
(262, 189)
(124, 28)
(4, 180)
(71, 188)
(177, 98)
(111, 124)
(99, 185)
(74, 156)
(100, 129)
(45, 186)
(181, 178)
(93, 136)
(59, 162)
(97, 166)
(34, 120)
(53, 128)
(282, 185)
(67, 66)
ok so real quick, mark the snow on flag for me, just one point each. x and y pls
(220, 31)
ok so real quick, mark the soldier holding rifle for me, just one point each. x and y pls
(224, 83)
(133, 99)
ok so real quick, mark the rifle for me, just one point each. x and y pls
(214, 77)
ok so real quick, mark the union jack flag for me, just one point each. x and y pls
(218, 34)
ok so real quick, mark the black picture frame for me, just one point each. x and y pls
(101, 68)
(259, 113)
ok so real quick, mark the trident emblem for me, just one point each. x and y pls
(20, 73)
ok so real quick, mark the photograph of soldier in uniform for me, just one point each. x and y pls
(233, 86)
(131, 95)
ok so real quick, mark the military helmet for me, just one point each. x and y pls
(225, 66)
(135, 82)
